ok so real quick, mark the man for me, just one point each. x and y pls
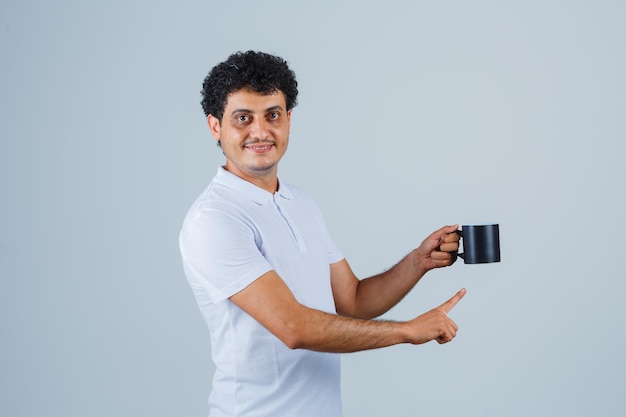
(278, 297)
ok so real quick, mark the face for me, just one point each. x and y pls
(254, 134)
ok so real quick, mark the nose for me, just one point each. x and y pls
(259, 129)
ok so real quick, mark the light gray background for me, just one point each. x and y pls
(412, 115)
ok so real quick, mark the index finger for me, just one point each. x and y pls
(451, 237)
(445, 230)
(448, 305)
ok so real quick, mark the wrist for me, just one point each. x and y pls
(405, 332)
(421, 264)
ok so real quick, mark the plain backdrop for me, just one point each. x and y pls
(411, 115)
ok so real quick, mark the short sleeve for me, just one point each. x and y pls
(220, 253)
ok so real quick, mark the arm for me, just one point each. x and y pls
(271, 303)
(371, 297)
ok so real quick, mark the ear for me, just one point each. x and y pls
(214, 126)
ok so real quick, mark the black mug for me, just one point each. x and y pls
(481, 243)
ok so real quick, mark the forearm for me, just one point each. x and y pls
(377, 294)
(316, 330)
(272, 304)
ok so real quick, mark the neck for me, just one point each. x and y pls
(265, 180)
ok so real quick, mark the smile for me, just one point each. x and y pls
(260, 148)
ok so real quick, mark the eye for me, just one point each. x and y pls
(241, 119)
(273, 115)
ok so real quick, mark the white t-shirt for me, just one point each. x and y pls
(234, 233)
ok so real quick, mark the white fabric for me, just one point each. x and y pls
(234, 233)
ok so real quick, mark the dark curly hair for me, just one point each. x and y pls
(258, 71)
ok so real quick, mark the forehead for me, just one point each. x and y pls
(251, 100)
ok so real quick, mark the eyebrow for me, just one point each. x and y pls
(269, 109)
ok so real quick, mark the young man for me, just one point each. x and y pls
(278, 297)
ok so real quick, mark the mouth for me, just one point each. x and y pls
(259, 147)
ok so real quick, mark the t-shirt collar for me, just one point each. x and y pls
(257, 194)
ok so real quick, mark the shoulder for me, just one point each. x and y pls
(217, 211)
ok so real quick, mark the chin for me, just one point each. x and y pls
(262, 169)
